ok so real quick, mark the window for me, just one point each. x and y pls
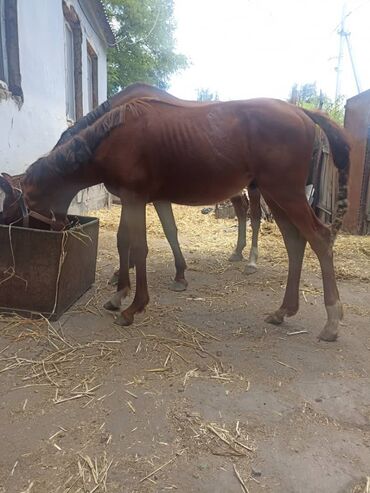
(73, 63)
(3, 57)
(70, 73)
(9, 47)
(92, 77)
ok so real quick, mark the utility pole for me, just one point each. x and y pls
(344, 35)
(339, 67)
(355, 74)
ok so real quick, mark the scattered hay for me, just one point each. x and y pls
(357, 310)
(60, 365)
(217, 237)
(231, 442)
(362, 487)
(242, 484)
(148, 476)
(92, 475)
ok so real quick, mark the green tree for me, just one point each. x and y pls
(204, 94)
(307, 96)
(145, 50)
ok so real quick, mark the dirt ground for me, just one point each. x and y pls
(200, 395)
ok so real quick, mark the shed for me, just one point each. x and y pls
(357, 122)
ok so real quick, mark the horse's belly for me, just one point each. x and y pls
(204, 189)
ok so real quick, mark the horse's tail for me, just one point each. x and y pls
(340, 149)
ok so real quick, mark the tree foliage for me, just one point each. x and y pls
(145, 48)
(204, 94)
(307, 96)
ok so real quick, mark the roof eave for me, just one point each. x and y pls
(98, 13)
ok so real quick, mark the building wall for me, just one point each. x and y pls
(31, 130)
(357, 120)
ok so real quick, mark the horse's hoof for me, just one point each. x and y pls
(275, 318)
(328, 335)
(250, 269)
(236, 257)
(122, 321)
(109, 306)
(179, 286)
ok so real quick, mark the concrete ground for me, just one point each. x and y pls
(200, 394)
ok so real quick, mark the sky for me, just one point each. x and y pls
(259, 48)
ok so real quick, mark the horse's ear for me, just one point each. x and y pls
(14, 181)
(8, 178)
(5, 185)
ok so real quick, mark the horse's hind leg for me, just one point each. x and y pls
(318, 235)
(165, 214)
(113, 281)
(241, 205)
(122, 274)
(295, 245)
(255, 213)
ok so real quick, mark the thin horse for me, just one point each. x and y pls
(149, 151)
(164, 208)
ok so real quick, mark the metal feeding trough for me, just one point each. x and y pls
(45, 272)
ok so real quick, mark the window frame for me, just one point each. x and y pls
(3, 55)
(92, 78)
(69, 66)
(72, 20)
(11, 74)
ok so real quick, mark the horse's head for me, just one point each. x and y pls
(13, 205)
(47, 204)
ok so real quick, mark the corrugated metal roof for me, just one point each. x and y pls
(100, 14)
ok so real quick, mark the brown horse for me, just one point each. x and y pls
(148, 150)
(164, 208)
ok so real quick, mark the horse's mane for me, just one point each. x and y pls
(101, 110)
(79, 149)
(84, 138)
(83, 123)
(112, 102)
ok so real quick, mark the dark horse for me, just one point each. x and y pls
(148, 150)
(13, 205)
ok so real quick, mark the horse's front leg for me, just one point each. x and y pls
(122, 275)
(135, 217)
